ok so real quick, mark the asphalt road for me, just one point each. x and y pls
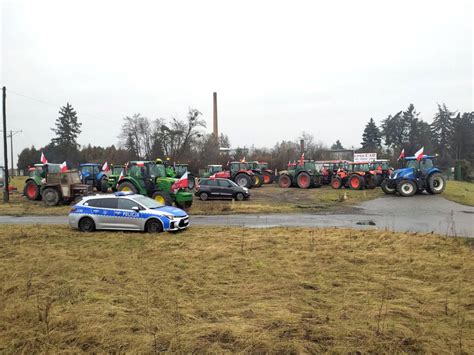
(420, 213)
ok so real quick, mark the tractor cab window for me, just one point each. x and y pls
(87, 169)
(413, 164)
(137, 172)
(426, 164)
(157, 170)
(234, 167)
(117, 170)
(95, 170)
(215, 169)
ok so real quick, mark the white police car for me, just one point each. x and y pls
(126, 211)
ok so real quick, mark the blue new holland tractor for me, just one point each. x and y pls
(417, 176)
(92, 175)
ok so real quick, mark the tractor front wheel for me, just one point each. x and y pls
(162, 198)
(303, 180)
(243, 180)
(406, 188)
(267, 177)
(336, 183)
(284, 181)
(104, 185)
(31, 191)
(50, 196)
(191, 182)
(127, 186)
(356, 182)
(387, 189)
(436, 183)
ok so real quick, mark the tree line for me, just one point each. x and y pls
(184, 140)
(450, 135)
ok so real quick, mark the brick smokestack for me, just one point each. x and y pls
(215, 125)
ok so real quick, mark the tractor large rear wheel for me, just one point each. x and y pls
(356, 182)
(51, 196)
(243, 180)
(303, 180)
(284, 181)
(127, 186)
(386, 188)
(406, 188)
(162, 197)
(32, 191)
(336, 183)
(436, 183)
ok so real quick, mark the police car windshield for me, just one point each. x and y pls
(147, 202)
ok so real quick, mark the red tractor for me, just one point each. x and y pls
(240, 174)
(329, 169)
(356, 176)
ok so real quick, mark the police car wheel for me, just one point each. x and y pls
(87, 224)
(154, 226)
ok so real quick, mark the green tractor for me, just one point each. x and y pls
(150, 179)
(304, 175)
(210, 170)
(37, 178)
(114, 175)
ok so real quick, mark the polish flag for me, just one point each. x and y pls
(182, 183)
(119, 178)
(402, 154)
(43, 159)
(63, 167)
(302, 160)
(419, 154)
(105, 167)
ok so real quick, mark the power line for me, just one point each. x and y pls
(50, 103)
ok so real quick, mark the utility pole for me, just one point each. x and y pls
(12, 133)
(6, 195)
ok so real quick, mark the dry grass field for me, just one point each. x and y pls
(231, 289)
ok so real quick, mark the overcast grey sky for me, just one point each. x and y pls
(279, 68)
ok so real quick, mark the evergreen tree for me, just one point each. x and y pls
(462, 141)
(67, 128)
(442, 130)
(337, 145)
(394, 131)
(371, 139)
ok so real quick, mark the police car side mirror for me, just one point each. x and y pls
(136, 208)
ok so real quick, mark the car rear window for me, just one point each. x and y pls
(102, 203)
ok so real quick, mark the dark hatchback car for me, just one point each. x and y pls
(221, 189)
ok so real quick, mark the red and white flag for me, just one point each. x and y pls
(63, 167)
(182, 183)
(402, 154)
(105, 167)
(119, 178)
(419, 154)
(302, 160)
(43, 159)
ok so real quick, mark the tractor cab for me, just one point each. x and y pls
(91, 174)
(113, 176)
(116, 170)
(239, 173)
(210, 170)
(268, 174)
